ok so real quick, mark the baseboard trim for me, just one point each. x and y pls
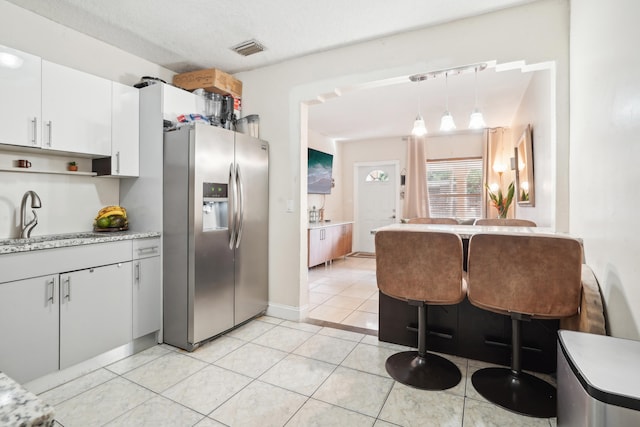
(56, 378)
(288, 312)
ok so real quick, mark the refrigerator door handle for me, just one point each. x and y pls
(240, 223)
(232, 207)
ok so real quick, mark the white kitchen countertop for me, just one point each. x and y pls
(327, 224)
(8, 246)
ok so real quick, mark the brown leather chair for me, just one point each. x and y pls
(423, 220)
(421, 268)
(506, 222)
(524, 277)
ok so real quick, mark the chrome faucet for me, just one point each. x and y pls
(26, 227)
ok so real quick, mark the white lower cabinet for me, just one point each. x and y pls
(147, 287)
(29, 313)
(94, 312)
(83, 301)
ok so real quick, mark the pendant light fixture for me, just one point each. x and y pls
(446, 123)
(476, 121)
(419, 128)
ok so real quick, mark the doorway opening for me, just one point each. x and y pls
(376, 200)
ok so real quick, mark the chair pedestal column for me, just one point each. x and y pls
(513, 389)
(420, 369)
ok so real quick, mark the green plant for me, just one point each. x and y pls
(73, 164)
(500, 202)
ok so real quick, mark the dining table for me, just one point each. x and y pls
(463, 329)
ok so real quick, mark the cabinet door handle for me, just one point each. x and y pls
(117, 162)
(50, 126)
(52, 286)
(138, 272)
(68, 282)
(34, 140)
(150, 249)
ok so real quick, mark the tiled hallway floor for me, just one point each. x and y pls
(271, 372)
(345, 292)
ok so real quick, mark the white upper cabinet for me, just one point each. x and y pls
(20, 91)
(177, 101)
(125, 130)
(76, 111)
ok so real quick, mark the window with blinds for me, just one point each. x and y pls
(455, 188)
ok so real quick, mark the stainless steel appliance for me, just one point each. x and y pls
(598, 380)
(215, 232)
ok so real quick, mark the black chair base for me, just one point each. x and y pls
(521, 393)
(430, 372)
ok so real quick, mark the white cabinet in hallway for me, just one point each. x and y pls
(326, 242)
(76, 111)
(29, 327)
(20, 83)
(94, 312)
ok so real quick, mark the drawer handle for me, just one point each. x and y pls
(148, 249)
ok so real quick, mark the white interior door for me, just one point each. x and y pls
(376, 200)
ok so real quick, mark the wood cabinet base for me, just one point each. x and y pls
(328, 242)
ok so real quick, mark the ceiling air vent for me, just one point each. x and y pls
(248, 48)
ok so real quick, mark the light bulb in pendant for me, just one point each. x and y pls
(419, 128)
(476, 120)
(446, 123)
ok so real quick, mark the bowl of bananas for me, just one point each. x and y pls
(111, 218)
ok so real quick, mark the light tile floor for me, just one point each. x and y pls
(345, 292)
(271, 372)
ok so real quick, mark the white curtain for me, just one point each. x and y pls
(416, 202)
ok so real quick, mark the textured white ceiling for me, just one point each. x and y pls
(187, 35)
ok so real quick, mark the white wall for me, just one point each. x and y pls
(536, 32)
(370, 150)
(69, 203)
(456, 146)
(534, 110)
(605, 124)
(332, 202)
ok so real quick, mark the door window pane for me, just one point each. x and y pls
(377, 175)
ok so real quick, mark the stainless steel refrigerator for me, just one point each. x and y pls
(215, 232)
